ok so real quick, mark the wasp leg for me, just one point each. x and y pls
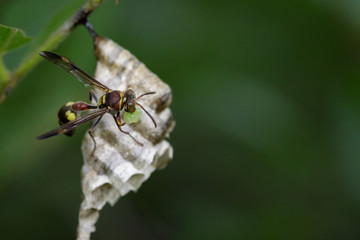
(91, 130)
(119, 124)
(93, 96)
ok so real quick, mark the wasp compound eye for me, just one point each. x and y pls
(130, 94)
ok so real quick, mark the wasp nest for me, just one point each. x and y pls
(119, 164)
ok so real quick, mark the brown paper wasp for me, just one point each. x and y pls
(113, 101)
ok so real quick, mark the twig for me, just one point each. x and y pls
(50, 43)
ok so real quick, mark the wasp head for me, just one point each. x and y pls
(130, 101)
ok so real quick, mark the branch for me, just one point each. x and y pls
(50, 43)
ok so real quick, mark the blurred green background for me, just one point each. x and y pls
(267, 141)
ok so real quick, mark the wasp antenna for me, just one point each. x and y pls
(148, 93)
(147, 113)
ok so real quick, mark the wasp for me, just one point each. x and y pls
(113, 102)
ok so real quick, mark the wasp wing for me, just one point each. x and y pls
(70, 67)
(73, 124)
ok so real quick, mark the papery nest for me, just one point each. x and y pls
(118, 164)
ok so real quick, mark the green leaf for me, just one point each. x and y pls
(11, 38)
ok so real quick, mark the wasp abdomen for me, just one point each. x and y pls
(67, 114)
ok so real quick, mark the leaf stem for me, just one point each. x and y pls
(3, 72)
(50, 43)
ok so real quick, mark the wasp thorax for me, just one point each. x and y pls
(130, 101)
(110, 100)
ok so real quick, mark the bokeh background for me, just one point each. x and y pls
(267, 104)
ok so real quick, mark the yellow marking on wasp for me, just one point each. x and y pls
(70, 115)
(69, 103)
(121, 99)
(102, 100)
